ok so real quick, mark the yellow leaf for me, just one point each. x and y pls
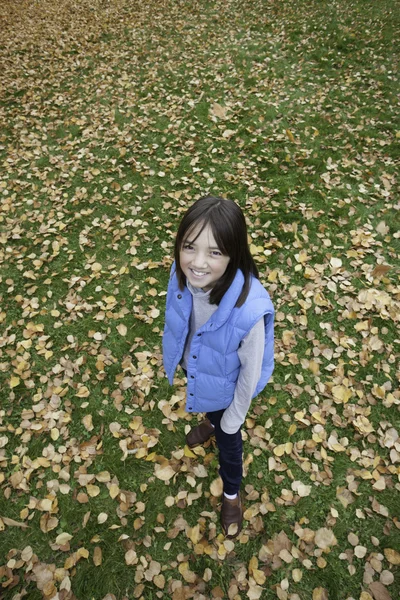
(216, 487)
(363, 425)
(341, 394)
(14, 381)
(253, 564)
(83, 392)
(194, 534)
(279, 450)
(288, 337)
(103, 476)
(290, 135)
(70, 562)
(113, 490)
(55, 434)
(259, 576)
(82, 553)
(392, 556)
(288, 447)
(186, 573)
(189, 453)
(93, 490)
(320, 594)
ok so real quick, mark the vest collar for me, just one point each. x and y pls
(227, 303)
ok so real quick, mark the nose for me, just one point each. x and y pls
(199, 261)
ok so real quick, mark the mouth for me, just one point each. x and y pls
(198, 273)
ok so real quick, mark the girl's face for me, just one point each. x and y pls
(201, 260)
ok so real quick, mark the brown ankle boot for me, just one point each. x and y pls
(231, 516)
(200, 434)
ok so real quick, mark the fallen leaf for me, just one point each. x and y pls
(122, 329)
(325, 538)
(165, 473)
(379, 591)
(392, 556)
(320, 593)
(63, 538)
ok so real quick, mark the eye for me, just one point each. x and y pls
(187, 247)
(216, 253)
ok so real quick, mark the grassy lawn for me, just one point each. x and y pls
(114, 117)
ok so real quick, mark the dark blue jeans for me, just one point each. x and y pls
(230, 448)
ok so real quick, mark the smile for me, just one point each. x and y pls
(198, 273)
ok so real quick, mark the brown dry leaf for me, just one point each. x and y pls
(218, 111)
(131, 557)
(159, 581)
(379, 591)
(380, 270)
(97, 556)
(122, 329)
(87, 421)
(165, 473)
(353, 539)
(386, 577)
(153, 569)
(325, 538)
(255, 591)
(63, 538)
(48, 523)
(83, 392)
(360, 551)
(12, 523)
(228, 133)
(301, 489)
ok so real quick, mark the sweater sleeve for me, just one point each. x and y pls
(251, 356)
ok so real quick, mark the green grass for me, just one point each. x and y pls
(107, 135)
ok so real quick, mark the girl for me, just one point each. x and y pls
(219, 328)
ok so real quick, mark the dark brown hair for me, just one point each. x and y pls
(229, 229)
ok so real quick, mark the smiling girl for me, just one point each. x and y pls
(219, 328)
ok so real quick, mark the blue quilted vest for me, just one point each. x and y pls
(213, 366)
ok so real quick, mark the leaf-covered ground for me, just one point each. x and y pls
(116, 115)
